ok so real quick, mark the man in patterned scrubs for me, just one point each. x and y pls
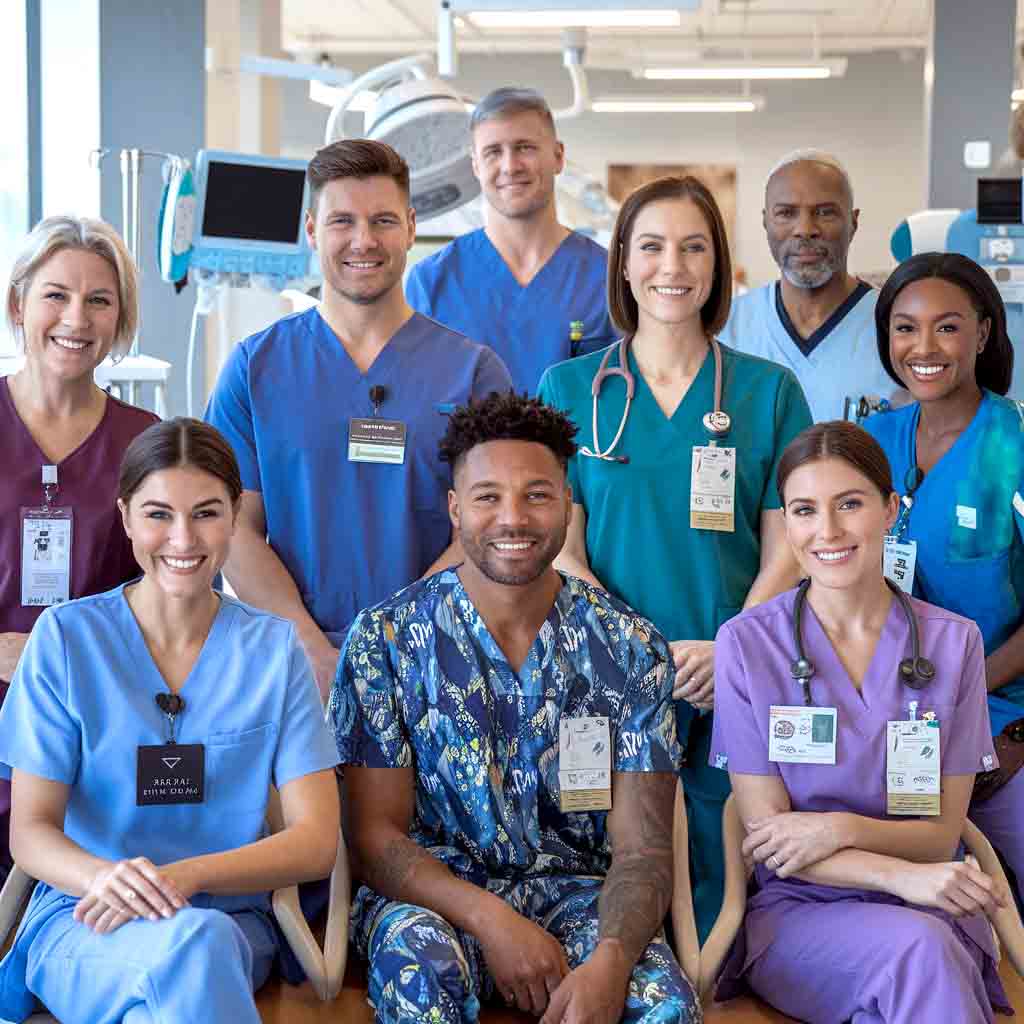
(489, 715)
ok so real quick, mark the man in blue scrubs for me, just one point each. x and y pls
(817, 319)
(524, 283)
(335, 415)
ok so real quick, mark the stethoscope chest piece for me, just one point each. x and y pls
(717, 422)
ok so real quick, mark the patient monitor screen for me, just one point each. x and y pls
(259, 204)
(999, 200)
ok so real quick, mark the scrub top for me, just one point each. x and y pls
(967, 518)
(83, 700)
(843, 362)
(468, 286)
(349, 533)
(753, 655)
(423, 683)
(101, 554)
(964, 236)
(639, 542)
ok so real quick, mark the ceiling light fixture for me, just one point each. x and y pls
(747, 70)
(678, 105)
(576, 19)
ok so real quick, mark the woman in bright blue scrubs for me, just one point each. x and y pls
(143, 729)
(957, 455)
(688, 558)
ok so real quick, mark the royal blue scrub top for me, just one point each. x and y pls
(967, 518)
(349, 533)
(468, 286)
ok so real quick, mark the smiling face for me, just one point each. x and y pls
(836, 522)
(935, 336)
(69, 314)
(180, 522)
(516, 159)
(362, 230)
(809, 222)
(510, 507)
(670, 263)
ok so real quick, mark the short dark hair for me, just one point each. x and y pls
(508, 101)
(506, 416)
(355, 158)
(179, 442)
(621, 303)
(836, 439)
(994, 368)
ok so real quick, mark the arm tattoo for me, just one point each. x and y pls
(389, 874)
(638, 887)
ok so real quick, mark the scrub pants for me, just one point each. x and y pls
(1001, 818)
(200, 965)
(869, 963)
(706, 789)
(421, 968)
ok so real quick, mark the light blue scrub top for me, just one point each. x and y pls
(468, 286)
(977, 571)
(83, 700)
(843, 364)
(964, 236)
(349, 533)
(639, 541)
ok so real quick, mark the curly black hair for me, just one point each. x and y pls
(507, 417)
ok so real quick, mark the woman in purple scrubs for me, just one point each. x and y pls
(852, 756)
(72, 300)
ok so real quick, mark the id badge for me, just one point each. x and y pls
(912, 768)
(801, 735)
(713, 488)
(585, 764)
(376, 440)
(899, 560)
(45, 556)
(170, 773)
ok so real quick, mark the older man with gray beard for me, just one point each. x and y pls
(817, 319)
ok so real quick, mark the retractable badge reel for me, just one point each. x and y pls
(375, 439)
(46, 534)
(171, 772)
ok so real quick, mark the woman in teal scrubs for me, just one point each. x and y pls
(957, 457)
(678, 520)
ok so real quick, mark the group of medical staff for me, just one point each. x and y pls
(319, 462)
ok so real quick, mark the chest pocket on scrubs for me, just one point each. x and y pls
(238, 768)
(980, 588)
(430, 479)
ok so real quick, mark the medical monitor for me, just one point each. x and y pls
(999, 201)
(250, 213)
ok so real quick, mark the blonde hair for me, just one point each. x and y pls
(54, 234)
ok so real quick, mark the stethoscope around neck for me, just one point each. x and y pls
(916, 671)
(717, 422)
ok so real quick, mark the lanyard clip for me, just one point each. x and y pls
(49, 485)
(171, 705)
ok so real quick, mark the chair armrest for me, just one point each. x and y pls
(683, 923)
(336, 937)
(13, 897)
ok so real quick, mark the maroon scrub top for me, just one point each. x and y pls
(101, 556)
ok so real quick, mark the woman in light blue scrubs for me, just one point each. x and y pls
(143, 729)
(957, 455)
(687, 557)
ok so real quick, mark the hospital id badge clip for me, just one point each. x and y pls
(372, 439)
(713, 488)
(899, 560)
(798, 734)
(912, 767)
(170, 773)
(46, 549)
(585, 764)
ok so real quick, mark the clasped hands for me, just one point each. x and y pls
(128, 889)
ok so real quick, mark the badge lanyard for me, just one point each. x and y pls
(171, 772)
(46, 534)
(899, 556)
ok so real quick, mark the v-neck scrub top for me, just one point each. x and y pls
(968, 521)
(349, 533)
(101, 554)
(639, 541)
(843, 364)
(469, 287)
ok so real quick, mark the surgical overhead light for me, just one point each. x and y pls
(747, 70)
(678, 104)
(425, 119)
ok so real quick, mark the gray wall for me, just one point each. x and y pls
(153, 96)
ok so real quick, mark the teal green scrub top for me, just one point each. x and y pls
(639, 541)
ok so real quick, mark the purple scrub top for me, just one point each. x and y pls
(753, 655)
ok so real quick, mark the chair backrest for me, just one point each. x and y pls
(924, 231)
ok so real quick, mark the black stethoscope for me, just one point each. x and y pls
(716, 422)
(916, 671)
